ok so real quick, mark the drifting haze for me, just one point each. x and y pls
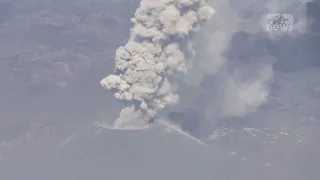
(223, 81)
(235, 61)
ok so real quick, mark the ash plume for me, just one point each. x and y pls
(148, 67)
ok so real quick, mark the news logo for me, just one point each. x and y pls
(280, 22)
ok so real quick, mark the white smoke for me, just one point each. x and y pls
(160, 50)
(242, 85)
(156, 55)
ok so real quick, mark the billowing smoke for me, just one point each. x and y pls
(234, 60)
(157, 54)
(227, 66)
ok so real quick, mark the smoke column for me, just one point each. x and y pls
(148, 67)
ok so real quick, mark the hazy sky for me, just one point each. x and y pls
(53, 55)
